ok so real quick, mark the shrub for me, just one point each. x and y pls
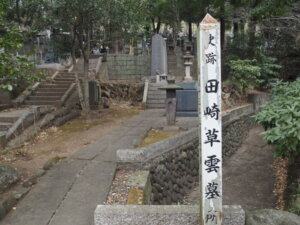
(281, 119)
(251, 73)
(244, 73)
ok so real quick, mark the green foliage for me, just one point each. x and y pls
(281, 119)
(268, 68)
(13, 68)
(245, 73)
(263, 9)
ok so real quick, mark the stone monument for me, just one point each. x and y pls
(209, 57)
(159, 63)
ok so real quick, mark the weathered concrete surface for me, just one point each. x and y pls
(160, 214)
(140, 192)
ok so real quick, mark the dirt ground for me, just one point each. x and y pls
(57, 143)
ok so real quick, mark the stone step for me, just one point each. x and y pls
(44, 98)
(153, 90)
(8, 119)
(155, 106)
(156, 85)
(65, 79)
(66, 73)
(55, 85)
(42, 93)
(54, 89)
(156, 96)
(33, 102)
(4, 126)
(66, 76)
(156, 101)
(157, 92)
(62, 83)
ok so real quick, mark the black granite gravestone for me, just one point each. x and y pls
(187, 99)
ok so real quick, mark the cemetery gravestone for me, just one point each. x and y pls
(187, 99)
(159, 56)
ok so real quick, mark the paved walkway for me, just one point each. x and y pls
(70, 191)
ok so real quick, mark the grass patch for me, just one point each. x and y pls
(155, 135)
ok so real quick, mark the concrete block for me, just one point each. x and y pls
(157, 149)
(259, 100)
(160, 214)
(140, 185)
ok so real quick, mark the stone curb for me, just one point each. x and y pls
(161, 214)
(142, 155)
(8, 204)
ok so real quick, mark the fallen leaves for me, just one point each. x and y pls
(280, 166)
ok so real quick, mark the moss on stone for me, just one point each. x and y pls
(155, 135)
(135, 196)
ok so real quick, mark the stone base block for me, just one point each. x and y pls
(160, 214)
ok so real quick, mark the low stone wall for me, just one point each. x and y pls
(128, 67)
(158, 215)
(123, 91)
(174, 163)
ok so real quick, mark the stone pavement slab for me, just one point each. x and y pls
(94, 179)
(40, 204)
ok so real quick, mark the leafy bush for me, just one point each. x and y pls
(250, 73)
(14, 68)
(244, 73)
(268, 68)
(281, 119)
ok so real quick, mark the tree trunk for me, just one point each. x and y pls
(251, 34)
(86, 109)
(235, 27)
(73, 46)
(18, 11)
(190, 31)
(158, 25)
(79, 90)
(222, 22)
(153, 25)
(83, 36)
(86, 58)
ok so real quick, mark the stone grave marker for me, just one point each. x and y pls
(159, 64)
(209, 57)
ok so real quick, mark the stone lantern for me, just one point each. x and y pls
(171, 102)
(188, 63)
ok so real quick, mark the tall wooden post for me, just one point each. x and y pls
(209, 59)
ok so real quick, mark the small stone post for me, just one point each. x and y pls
(171, 103)
(209, 59)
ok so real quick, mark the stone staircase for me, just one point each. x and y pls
(8, 121)
(39, 100)
(155, 98)
(51, 92)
